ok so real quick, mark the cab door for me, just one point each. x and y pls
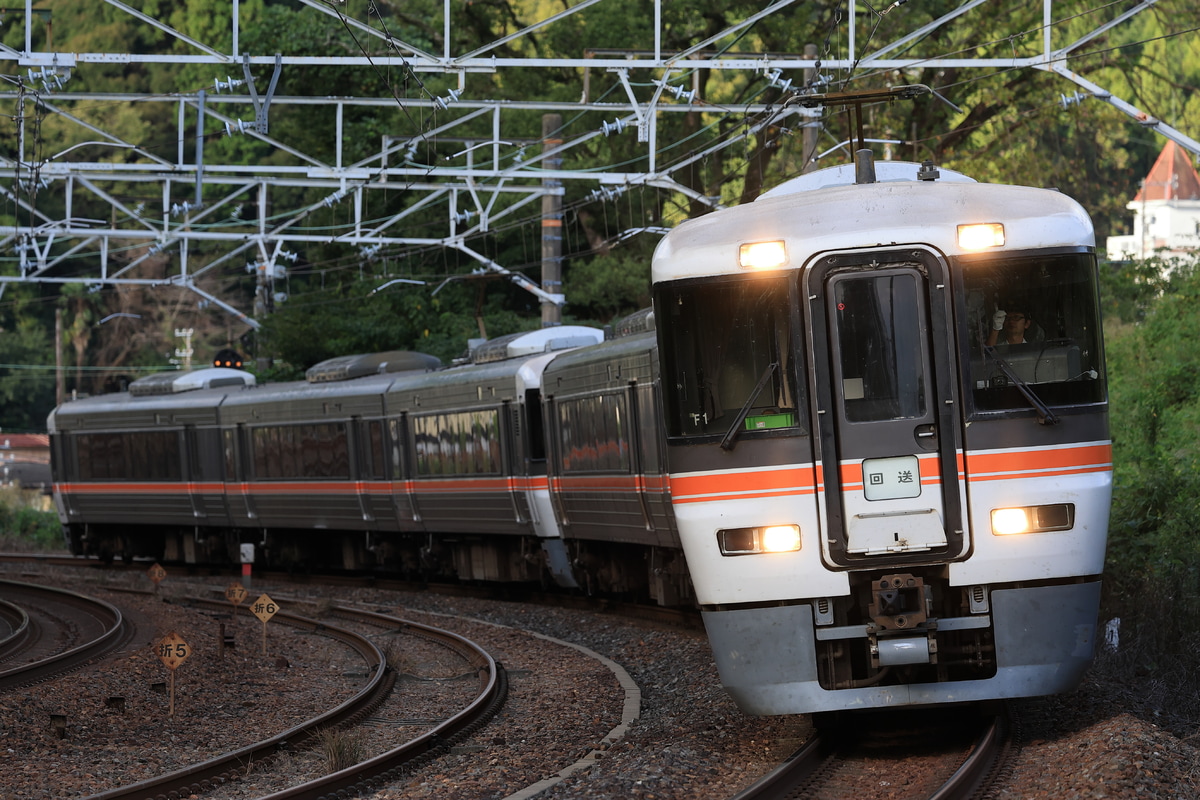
(887, 408)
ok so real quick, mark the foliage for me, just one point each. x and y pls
(342, 748)
(1154, 381)
(350, 318)
(26, 524)
(26, 337)
(610, 286)
(1008, 125)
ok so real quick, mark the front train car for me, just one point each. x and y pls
(888, 438)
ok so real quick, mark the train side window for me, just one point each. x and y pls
(396, 443)
(1050, 308)
(310, 451)
(719, 339)
(155, 456)
(458, 443)
(260, 443)
(141, 458)
(290, 447)
(84, 447)
(335, 455)
(375, 450)
(230, 455)
(595, 433)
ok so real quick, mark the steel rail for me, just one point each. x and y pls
(793, 779)
(199, 778)
(19, 629)
(109, 617)
(985, 756)
(394, 764)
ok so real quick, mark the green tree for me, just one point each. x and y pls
(1154, 381)
(26, 378)
(609, 286)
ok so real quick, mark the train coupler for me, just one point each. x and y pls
(900, 631)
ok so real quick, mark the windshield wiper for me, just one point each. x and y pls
(1045, 415)
(732, 434)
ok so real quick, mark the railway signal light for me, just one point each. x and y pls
(228, 358)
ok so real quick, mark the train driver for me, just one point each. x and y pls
(1009, 327)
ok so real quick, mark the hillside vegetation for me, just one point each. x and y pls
(997, 124)
(1152, 576)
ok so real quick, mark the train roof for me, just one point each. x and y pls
(614, 364)
(826, 211)
(542, 340)
(344, 368)
(190, 381)
(470, 384)
(295, 401)
(112, 411)
(845, 175)
(363, 385)
(506, 367)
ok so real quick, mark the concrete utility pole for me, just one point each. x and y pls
(552, 221)
(60, 387)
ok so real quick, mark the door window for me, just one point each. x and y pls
(881, 362)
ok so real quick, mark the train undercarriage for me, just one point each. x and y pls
(614, 569)
(902, 628)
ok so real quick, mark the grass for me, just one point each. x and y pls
(27, 522)
(1154, 663)
(394, 657)
(342, 749)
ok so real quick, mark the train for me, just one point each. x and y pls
(863, 429)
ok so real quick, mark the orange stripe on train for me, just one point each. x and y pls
(728, 485)
(1039, 463)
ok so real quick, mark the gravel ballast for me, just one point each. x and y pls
(687, 741)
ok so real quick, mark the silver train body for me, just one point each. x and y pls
(877, 507)
(883, 499)
(391, 461)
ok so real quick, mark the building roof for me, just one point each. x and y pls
(29, 441)
(1171, 178)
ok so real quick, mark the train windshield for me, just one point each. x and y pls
(1033, 324)
(727, 354)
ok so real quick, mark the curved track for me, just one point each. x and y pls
(15, 630)
(957, 766)
(54, 631)
(198, 778)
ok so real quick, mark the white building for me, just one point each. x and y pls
(1166, 210)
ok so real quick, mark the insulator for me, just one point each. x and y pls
(444, 102)
(229, 84)
(616, 126)
(334, 198)
(240, 126)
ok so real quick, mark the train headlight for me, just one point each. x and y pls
(979, 237)
(1033, 519)
(781, 538)
(767, 539)
(762, 255)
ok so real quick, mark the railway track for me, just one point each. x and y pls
(834, 768)
(682, 617)
(205, 776)
(52, 631)
(948, 757)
